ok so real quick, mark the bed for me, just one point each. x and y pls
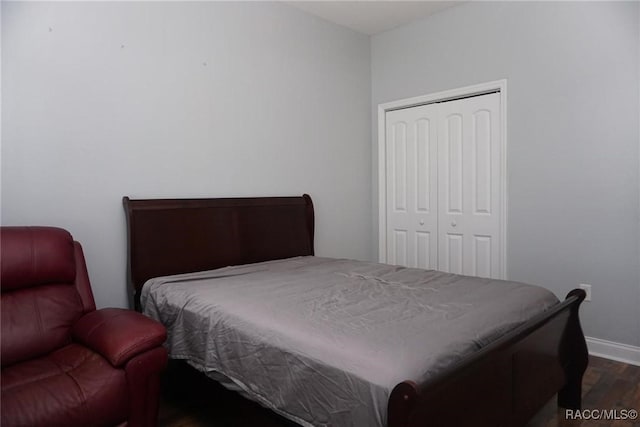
(503, 381)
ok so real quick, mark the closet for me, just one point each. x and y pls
(445, 186)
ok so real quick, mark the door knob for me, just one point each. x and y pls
(422, 222)
(453, 223)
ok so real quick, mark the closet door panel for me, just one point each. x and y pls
(411, 187)
(469, 185)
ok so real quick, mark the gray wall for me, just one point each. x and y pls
(180, 100)
(573, 135)
(230, 99)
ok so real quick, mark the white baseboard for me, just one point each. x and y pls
(614, 351)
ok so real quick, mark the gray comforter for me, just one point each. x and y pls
(324, 341)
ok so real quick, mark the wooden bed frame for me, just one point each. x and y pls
(502, 384)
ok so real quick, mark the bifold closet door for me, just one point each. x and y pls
(469, 186)
(412, 192)
(444, 186)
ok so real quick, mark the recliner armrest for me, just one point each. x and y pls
(118, 334)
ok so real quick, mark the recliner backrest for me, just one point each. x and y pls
(45, 289)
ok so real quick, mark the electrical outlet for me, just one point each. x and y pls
(587, 289)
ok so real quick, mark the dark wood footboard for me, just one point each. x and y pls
(506, 382)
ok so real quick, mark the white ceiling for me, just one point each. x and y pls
(372, 16)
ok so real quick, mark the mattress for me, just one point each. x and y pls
(323, 341)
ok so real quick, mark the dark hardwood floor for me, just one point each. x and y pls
(189, 399)
(606, 385)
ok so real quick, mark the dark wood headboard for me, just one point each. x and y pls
(173, 236)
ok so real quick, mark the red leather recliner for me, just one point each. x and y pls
(64, 363)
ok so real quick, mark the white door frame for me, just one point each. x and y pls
(447, 95)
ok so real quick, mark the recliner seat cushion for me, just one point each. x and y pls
(72, 386)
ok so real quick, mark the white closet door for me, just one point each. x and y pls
(411, 180)
(469, 186)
